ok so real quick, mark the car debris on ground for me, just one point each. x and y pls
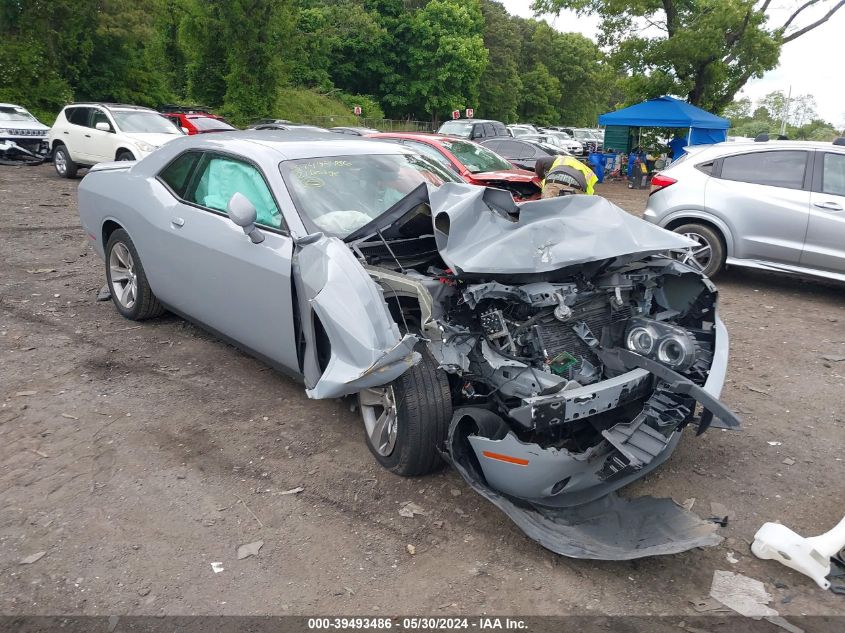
(810, 556)
(249, 549)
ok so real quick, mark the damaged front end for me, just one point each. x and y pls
(23, 151)
(577, 353)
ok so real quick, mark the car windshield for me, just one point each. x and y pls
(340, 194)
(456, 128)
(476, 158)
(582, 135)
(206, 123)
(15, 114)
(143, 122)
(520, 131)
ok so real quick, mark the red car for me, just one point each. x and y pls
(198, 121)
(476, 164)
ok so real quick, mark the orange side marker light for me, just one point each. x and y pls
(506, 458)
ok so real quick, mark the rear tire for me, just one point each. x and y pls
(65, 167)
(423, 411)
(127, 281)
(710, 256)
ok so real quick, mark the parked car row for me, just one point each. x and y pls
(85, 134)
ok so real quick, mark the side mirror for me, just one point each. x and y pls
(242, 212)
(102, 126)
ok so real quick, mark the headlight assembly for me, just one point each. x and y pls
(145, 147)
(669, 344)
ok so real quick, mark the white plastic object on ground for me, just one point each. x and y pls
(810, 556)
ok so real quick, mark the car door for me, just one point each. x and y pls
(101, 143)
(76, 136)
(210, 271)
(764, 198)
(824, 247)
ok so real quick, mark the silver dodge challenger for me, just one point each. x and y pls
(551, 351)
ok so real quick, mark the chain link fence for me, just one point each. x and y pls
(383, 125)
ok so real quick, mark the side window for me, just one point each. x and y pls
(489, 130)
(177, 174)
(78, 116)
(783, 168)
(500, 129)
(833, 174)
(220, 177)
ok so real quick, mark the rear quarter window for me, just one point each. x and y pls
(833, 174)
(177, 173)
(77, 116)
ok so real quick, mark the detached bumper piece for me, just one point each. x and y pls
(608, 528)
(566, 501)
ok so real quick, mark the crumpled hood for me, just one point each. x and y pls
(482, 230)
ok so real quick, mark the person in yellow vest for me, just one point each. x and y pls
(564, 175)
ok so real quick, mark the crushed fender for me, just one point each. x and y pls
(341, 303)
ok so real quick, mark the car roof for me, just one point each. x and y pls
(774, 145)
(11, 105)
(110, 106)
(420, 136)
(290, 144)
(471, 121)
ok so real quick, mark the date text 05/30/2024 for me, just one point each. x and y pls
(417, 623)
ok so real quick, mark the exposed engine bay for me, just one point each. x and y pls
(573, 364)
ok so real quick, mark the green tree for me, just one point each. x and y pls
(501, 84)
(446, 56)
(705, 50)
(738, 110)
(540, 97)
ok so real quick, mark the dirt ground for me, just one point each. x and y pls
(137, 455)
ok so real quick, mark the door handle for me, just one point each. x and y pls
(830, 206)
(177, 222)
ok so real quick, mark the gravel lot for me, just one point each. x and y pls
(137, 455)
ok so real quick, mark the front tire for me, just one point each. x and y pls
(408, 420)
(125, 154)
(65, 167)
(127, 282)
(709, 256)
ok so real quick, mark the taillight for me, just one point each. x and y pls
(659, 181)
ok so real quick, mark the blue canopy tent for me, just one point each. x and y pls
(669, 112)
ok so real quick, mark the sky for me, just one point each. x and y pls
(812, 64)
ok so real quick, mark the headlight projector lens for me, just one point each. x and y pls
(641, 341)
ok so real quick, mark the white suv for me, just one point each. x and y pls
(85, 134)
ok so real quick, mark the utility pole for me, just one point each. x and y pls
(785, 113)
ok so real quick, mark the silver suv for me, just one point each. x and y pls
(777, 205)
